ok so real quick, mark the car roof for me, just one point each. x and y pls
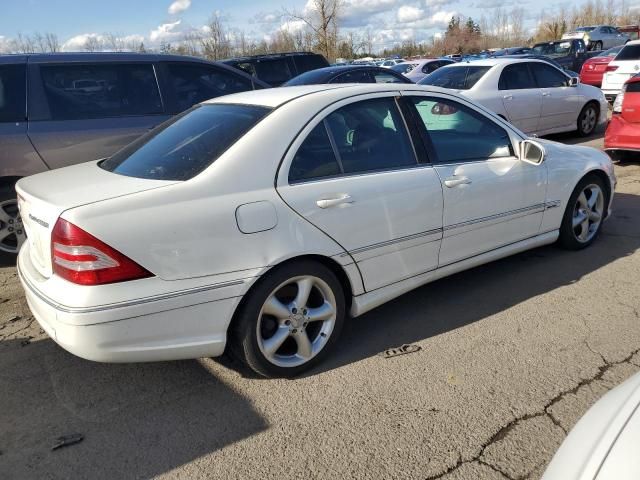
(268, 55)
(275, 97)
(106, 57)
(327, 73)
(492, 62)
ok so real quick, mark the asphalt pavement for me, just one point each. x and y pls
(512, 354)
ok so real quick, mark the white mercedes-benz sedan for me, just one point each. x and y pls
(532, 94)
(258, 221)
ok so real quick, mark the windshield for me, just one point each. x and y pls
(184, 146)
(585, 29)
(454, 77)
(629, 52)
(553, 49)
(403, 67)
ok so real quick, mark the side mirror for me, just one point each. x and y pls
(574, 81)
(531, 152)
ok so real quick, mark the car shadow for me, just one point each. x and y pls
(138, 420)
(476, 294)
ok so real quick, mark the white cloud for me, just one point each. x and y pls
(441, 18)
(179, 6)
(5, 44)
(78, 42)
(293, 26)
(438, 3)
(166, 32)
(407, 14)
(101, 41)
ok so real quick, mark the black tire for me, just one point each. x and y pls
(243, 341)
(8, 195)
(586, 128)
(567, 237)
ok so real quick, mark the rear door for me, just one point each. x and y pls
(521, 97)
(85, 111)
(561, 103)
(353, 173)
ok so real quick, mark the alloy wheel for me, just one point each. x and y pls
(12, 234)
(587, 213)
(296, 321)
(588, 120)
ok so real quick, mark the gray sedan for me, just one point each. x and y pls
(599, 37)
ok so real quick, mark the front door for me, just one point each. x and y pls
(491, 198)
(561, 104)
(353, 173)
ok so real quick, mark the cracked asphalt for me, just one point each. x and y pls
(512, 355)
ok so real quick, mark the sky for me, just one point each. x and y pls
(156, 21)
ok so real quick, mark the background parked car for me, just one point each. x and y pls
(593, 68)
(391, 62)
(86, 106)
(349, 74)
(511, 51)
(416, 70)
(535, 96)
(570, 53)
(277, 68)
(598, 37)
(623, 133)
(624, 65)
(632, 31)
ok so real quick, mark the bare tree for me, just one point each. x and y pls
(215, 42)
(93, 44)
(52, 43)
(322, 18)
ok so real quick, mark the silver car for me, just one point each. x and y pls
(599, 37)
(82, 106)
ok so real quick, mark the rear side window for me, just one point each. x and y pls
(457, 78)
(187, 144)
(304, 63)
(273, 71)
(76, 92)
(629, 52)
(547, 76)
(193, 83)
(12, 93)
(315, 158)
(516, 77)
(355, 76)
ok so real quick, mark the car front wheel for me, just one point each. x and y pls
(584, 214)
(290, 320)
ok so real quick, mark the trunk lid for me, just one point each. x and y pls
(42, 198)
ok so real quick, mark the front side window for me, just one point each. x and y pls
(516, 77)
(193, 83)
(460, 134)
(455, 77)
(76, 92)
(12, 93)
(548, 77)
(187, 144)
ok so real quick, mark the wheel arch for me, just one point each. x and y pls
(602, 175)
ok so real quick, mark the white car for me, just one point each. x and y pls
(605, 443)
(416, 70)
(260, 220)
(624, 66)
(532, 94)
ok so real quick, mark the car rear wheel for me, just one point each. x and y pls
(584, 214)
(587, 120)
(290, 320)
(12, 234)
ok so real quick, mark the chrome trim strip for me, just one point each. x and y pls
(528, 210)
(552, 204)
(393, 241)
(131, 303)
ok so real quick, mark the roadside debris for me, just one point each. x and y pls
(402, 350)
(66, 440)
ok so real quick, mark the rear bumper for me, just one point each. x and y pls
(129, 334)
(622, 135)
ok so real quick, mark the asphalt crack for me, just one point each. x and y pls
(504, 431)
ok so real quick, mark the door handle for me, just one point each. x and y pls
(332, 202)
(546, 94)
(508, 97)
(455, 181)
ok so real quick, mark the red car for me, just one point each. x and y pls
(593, 69)
(623, 132)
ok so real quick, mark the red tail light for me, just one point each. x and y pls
(611, 68)
(81, 258)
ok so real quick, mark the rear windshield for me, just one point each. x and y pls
(458, 78)
(186, 145)
(629, 52)
(553, 49)
(403, 67)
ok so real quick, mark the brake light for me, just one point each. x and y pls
(611, 68)
(81, 258)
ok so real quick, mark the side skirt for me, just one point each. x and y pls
(370, 300)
